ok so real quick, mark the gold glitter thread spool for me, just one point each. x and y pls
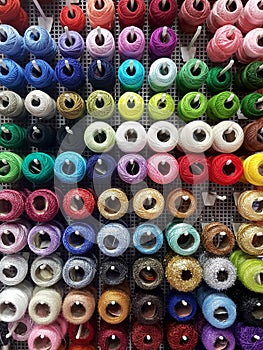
(114, 304)
(217, 238)
(250, 205)
(183, 273)
(249, 238)
(113, 204)
(71, 105)
(181, 203)
(79, 305)
(147, 273)
(148, 203)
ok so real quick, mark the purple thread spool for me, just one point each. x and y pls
(249, 338)
(131, 43)
(214, 338)
(132, 168)
(73, 49)
(162, 43)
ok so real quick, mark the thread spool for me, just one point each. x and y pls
(249, 78)
(100, 44)
(250, 16)
(40, 104)
(101, 14)
(193, 14)
(10, 167)
(212, 336)
(131, 13)
(250, 308)
(250, 48)
(78, 238)
(147, 273)
(181, 203)
(12, 44)
(101, 168)
(182, 306)
(147, 336)
(100, 105)
(162, 74)
(225, 169)
(46, 271)
(162, 43)
(252, 136)
(101, 75)
(113, 239)
(181, 335)
(11, 205)
(131, 75)
(38, 167)
(248, 336)
(82, 334)
(228, 137)
(71, 105)
(112, 335)
(193, 168)
(72, 17)
(12, 75)
(42, 205)
(222, 106)
(99, 137)
(13, 236)
(252, 165)
(113, 204)
(71, 137)
(21, 329)
(70, 74)
(79, 305)
(40, 75)
(162, 136)
(162, 12)
(131, 43)
(12, 105)
(71, 44)
(41, 135)
(70, 167)
(248, 238)
(132, 168)
(148, 238)
(148, 203)
(251, 106)
(113, 271)
(161, 106)
(13, 269)
(249, 205)
(131, 135)
(182, 238)
(219, 79)
(12, 136)
(162, 168)
(148, 308)
(13, 14)
(78, 203)
(192, 106)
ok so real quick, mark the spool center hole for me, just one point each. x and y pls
(4, 71)
(199, 135)
(7, 310)
(221, 344)
(100, 168)
(184, 340)
(199, 6)
(113, 310)
(147, 340)
(257, 206)
(131, 72)
(164, 39)
(149, 203)
(77, 275)
(45, 274)
(148, 276)
(100, 40)
(131, 135)
(185, 241)
(36, 73)
(196, 168)
(71, 14)
(77, 310)
(76, 204)
(221, 78)
(186, 275)
(260, 41)
(113, 344)
(182, 309)
(42, 240)
(8, 238)
(260, 5)
(229, 136)
(5, 206)
(164, 8)
(99, 5)
(36, 135)
(257, 312)
(163, 135)
(3, 38)
(161, 104)
(68, 71)
(42, 310)
(69, 103)
(68, 43)
(148, 311)
(42, 343)
(229, 169)
(7, 136)
(130, 104)
(10, 272)
(40, 204)
(257, 241)
(4, 168)
(164, 169)
(113, 274)
(222, 276)
(76, 240)
(132, 168)
(68, 168)
(228, 104)
(134, 8)
(100, 137)
(35, 168)
(221, 314)
(112, 206)
(195, 104)
(220, 242)
(99, 73)
(21, 329)
(35, 102)
(5, 103)
(164, 71)
(131, 39)
(182, 205)
(99, 103)
(147, 241)
(259, 278)
(111, 242)
(195, 72)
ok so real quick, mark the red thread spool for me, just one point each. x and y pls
(78, 203)
(81, 347)
(86, 335)
(146, 337)
(193, 168)
(113, 336)
(191, 15)
(182, 336)
(159, 14)
(42, 205)
(225, 169)
(129, 16)
(13, 14)
(11, 205)
(76, 22)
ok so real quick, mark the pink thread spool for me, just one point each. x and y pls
(11, 205)
(250, 49)
(21, 329)
(251, 16)
(193, 13)
(163, 168)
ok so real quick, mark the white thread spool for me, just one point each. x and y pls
(136, 132)
(40, 104)
(46, 270)
(196, 137)
(11, 105)
(228, 137)
(13, 269)
(162, 136)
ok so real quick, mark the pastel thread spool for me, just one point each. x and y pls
(162, 13)
(132, 168)
(193, 168)
(78, 203)
(12, 105)
(12, 44)
(69, 73)
(248, 237)
(10, 167)
(251, 166)
(100, 44)
(182, 306)
(131, 106)
(222, 106)
(18, 297)
(102, 15)
(113, 239)
(12, 75)
(70, 167)
(250, 16)
(79, 272)
(218, 81)
(182, 238)
(113, 204)
(162, 43)
(71, 105)
(120, 268)
(228, 137)
(12, 136)
(131, 43)
(192, 15)
(251, 106)
(248, 336)
(39, 42)
(73, 47)
(21, 329)
(162, 136)
(78, 238)
(225, 169)
(41, 135)
(13, 269)
(148, 203)
(73, 18)
(192, 106)
(131, 75)
(42, 205)
(249, 205)
(147, 273)
(131, 135)
(211, 336)
(161, 106)
(101, 168)
(162, 74)
(148, 238)
(196, 137)
(250, 48)
(13, 236)
(148, 307)
(46, 270)
(111, 334)
(40, 104)
(163, 168)
(38, 167)
(191, 76)
(40, 75)
(249, 78)
(100, 105)
(101, 75)
(131, 15)
(187, 203)
(99, 137)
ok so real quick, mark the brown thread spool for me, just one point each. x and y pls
(183, 273)
(250, 238)
(147, 273)
(253, 137)
(71, 105)
(79, 305)
(113, 204)
(148, 308)
(114, 304)
(217, 238)
(181, 203)
(148, 203)
(250, 205)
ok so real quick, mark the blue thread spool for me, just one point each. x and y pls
(69, 73)
(12, 43)
(40, 74)
(162, 74)
(131, 75)
(70, 167)
(78, 238)
(182, 306)
(101, 75)
(101, 168)
(12, 75)
(148, 238)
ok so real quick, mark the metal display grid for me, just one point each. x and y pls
(224, 211)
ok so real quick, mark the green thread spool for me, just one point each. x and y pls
(252, 106)
(71, 105)
(100, 105)
(222, 106)
(131, 106)
(217, 83)
(192, 76)
(161, 106)
(250, 77)
(192, 106)
(99, 137)
(10, 167)
(38, 167)
(12, 136)
(249, 270)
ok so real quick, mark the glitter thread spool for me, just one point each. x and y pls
(47, 270)
(147, 273)
(181, 203)
(78, 203)
(248, 336)
(182, 306)
(142, 335)
(113, 204)
(179, 334)
(113, 239)
(249, 237)
(249, 205)
(212, 336)
(113, 271)
(112, 335)
(78, 238)
(148, 203)
(13, 236)
(148, 238)
(148, 307)
(82, 334)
